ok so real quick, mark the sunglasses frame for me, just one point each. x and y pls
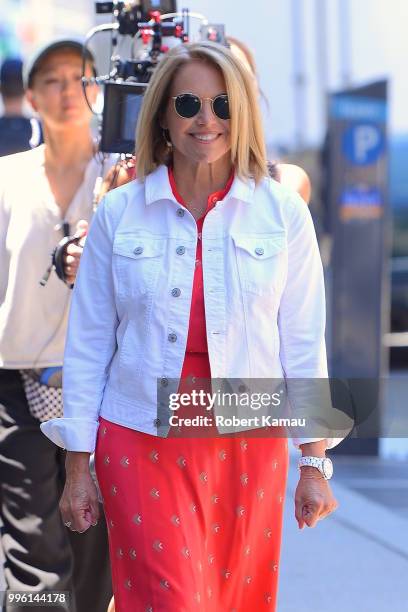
(212, 100)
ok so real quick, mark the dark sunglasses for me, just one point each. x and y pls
(188, 105)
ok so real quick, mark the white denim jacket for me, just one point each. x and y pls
(263, 291)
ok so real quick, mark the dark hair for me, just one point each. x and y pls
(273, 170)
(11, 78)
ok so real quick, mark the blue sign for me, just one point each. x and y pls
(363, 143)
(358, 108)
(361, 196)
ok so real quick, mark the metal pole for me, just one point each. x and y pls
(322, 63)
(345, 42)
(299, 78)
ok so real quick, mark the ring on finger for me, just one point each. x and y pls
(68, 524)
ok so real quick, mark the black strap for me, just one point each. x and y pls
(58, 257)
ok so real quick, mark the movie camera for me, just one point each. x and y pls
(148, 23)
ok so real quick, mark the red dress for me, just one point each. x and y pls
(194, 523)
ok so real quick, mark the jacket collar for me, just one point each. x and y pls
(157, 188)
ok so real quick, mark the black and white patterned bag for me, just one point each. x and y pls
(44, 400)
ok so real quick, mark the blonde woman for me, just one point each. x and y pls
(183, 276)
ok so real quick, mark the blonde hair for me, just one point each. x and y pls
(245, 50)
(248, 151)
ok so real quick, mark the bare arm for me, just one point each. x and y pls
(296, 178)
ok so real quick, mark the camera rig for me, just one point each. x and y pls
(149, 22)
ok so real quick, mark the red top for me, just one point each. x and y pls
(196, 361)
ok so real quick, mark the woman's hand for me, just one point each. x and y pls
(314, 499)
(118, 175)
(73, 252)
(79, 504)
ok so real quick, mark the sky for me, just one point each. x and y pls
(375, 41)
(278, 31)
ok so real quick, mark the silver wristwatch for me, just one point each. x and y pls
(323, 464)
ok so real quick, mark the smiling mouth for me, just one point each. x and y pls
(205, 138)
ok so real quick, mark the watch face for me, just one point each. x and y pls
(327, 468)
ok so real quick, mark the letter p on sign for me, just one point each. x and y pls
(366, 138)
(363, 143)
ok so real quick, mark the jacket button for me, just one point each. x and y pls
(180, 212)
(164, 381)
(157, 422)
(138, 250)
(175, 292)
(172, 337)
(259, 251)
(180, 250)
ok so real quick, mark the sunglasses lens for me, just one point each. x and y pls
(187, 105)
(221, 107)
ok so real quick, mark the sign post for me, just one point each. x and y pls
(359, 219)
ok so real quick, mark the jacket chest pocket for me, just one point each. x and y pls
(137, 262)
(261, 261)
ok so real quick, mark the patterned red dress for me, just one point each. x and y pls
(194, 523)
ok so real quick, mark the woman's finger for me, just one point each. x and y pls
(328, 509)
(77, 520)
(324, 515)
(310, 516)
(94, 511)
(299, 514)
(74, 249)
(80, 522)
(68, 520)
(81, 228)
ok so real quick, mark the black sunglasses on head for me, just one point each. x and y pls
(188, 105)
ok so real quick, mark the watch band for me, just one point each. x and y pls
(323, 464)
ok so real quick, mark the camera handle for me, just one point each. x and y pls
(57, 260)
(59, 254)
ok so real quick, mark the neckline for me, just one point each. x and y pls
(212, 198)
(49, 198)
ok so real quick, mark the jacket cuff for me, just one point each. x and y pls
(72, 434)
(331, 442)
